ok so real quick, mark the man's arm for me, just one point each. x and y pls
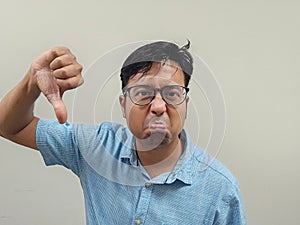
(52, 73)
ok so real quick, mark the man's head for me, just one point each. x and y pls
(154, 83)
(142, 58)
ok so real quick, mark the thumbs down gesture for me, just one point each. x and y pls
(56, 71)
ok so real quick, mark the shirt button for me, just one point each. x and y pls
(148, 184)
(138, 222)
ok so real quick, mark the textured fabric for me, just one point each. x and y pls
(117, 190)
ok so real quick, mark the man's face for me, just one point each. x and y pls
(158, 123)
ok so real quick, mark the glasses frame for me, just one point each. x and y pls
(160, 90)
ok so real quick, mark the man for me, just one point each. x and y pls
(148, 173)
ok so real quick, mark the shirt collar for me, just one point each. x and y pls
(183, 168)
(128, 154)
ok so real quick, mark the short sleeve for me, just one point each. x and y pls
(57, 144)
(233, 210)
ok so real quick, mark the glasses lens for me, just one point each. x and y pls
(141, 95)
(174, 94)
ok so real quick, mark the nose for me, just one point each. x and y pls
(158, 105)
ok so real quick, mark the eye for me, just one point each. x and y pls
(173, 92)
(142, 92)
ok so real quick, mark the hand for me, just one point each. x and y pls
(56, 71)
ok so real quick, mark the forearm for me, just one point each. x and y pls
(17, 106)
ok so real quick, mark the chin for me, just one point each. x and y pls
(155, 140)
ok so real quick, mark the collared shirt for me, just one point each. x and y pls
(118, 190)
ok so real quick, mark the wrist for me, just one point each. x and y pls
(31, 85)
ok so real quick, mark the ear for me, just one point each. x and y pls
(122, 104)
(186, 105)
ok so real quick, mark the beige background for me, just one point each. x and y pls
(251, 46)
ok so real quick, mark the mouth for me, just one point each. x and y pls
(157, 126)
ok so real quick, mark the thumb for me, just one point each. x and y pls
(58, 106)
(48, 86)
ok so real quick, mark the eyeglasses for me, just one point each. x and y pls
(144, 94)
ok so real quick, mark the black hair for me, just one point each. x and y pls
(142, 58)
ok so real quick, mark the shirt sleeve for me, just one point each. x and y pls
(233, 210)
(57, 144)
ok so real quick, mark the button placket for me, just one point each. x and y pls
(143, 205)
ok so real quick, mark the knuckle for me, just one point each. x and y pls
(79, 68)
(59, 50)
(59, 61)
(66, 49)
(54, 52)
(68, 84)
(63, 48)
(64, 73)
(81, 81)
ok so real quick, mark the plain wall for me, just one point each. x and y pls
(253, 49)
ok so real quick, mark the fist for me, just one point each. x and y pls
(56, 71)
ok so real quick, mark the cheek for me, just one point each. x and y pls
(177, 117)
(135, 118)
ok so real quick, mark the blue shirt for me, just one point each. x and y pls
(118, 190)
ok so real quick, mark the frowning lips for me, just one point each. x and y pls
(157, 125)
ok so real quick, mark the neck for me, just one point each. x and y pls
(161, 159)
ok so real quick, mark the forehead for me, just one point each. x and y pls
(160, 74)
